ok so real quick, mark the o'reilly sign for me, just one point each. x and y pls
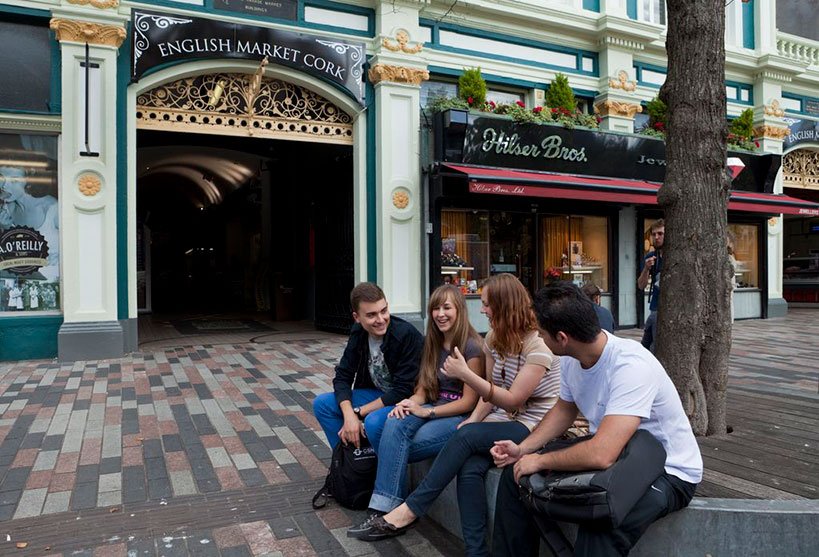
(159, 39)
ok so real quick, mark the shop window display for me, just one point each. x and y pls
(575, 248)
(29, 224)
(477, 244)
(746, 255)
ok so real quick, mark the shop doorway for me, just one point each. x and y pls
(243, 231)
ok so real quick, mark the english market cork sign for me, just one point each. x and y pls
(281, 9)
(23, 250)
(158, 39)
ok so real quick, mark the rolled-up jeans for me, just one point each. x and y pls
(403, 441)
(329, 416)
(466, 455)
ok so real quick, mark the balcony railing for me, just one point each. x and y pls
(798, 48)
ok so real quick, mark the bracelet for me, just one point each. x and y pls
(488, 397)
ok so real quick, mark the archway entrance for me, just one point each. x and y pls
(244, 205)
(800, 178)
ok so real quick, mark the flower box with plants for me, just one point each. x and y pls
(560, 109)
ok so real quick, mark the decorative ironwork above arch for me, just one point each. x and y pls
(243, 105)
(800, 169)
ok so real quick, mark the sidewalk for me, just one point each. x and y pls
(213, 449)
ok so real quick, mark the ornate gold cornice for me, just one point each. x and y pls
(401, 44)
(397, 74)
(101, 4)
(610, 107)
(621, 82)
(774, 109)
(800, 169)
(86, 32)
(771, 132)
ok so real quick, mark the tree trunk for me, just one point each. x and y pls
(694, 319)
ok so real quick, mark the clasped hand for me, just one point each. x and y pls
(352, 431)
(506, 452)
(407, 407)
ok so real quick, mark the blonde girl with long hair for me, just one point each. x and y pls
(522, 385)
(419, 426)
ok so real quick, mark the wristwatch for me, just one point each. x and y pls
(357, 412)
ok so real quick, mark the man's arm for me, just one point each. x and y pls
(645, 273)
(599, 453)
(554, 423)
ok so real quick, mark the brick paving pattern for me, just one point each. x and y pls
(213, 449)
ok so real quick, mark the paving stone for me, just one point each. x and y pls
(109, 499)
(110, 482)
(110, 465)
(183, 483)
(284, 528)
(46, 460)
(31, 503)
(56, 502)
(84, 496)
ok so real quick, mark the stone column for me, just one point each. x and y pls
(617, 102)
(396, 72)
(770, 130)
(88, 184)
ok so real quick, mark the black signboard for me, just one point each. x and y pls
(506, 144)
(802, 131)
(159, 39)
(23, 250)
(282, 9)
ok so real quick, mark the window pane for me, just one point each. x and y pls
(465, 248)
(25, 62)
(503, 97)
(29, 225)
(746, 254)
(433, 89)
(576, 248)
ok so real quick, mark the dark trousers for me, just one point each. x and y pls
(516, 533)
(466, 455)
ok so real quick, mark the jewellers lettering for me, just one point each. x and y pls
(497, 188)
(645, 160)
(550, 148)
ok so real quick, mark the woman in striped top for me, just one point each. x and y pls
(522, 387)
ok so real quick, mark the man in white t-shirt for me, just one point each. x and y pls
(620, 387)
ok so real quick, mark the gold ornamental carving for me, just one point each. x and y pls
(610, 107)
(800, 169)
(622, 82)
(774, 109)
(771, 132)
(101, 4)
(400, 199)
(89, 185)
(401, 44)
(242, 105)
(85, 32)
(397, 74)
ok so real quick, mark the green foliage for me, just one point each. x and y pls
(742, 127)
(472, 86)
(560, 95)
(657, 113)
(440, 104)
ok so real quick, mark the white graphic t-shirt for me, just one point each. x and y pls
(378, 368)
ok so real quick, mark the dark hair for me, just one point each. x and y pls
(659, 223)
(562, 306)
(365, 292)
(590, 289)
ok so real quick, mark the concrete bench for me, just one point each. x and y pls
(718, 527)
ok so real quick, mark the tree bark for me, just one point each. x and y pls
(694, 317)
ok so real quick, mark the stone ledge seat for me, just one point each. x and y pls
(747, 527)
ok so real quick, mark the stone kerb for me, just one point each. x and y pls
(748, 527)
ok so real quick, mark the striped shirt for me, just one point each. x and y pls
(505, 369)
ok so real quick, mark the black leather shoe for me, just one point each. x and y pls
(364, 527)
(380, 529)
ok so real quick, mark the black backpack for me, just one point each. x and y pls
(351, 478)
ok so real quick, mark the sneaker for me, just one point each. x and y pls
(364, 527)
(380, 529)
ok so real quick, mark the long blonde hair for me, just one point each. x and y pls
(462, 331)
(512, 314)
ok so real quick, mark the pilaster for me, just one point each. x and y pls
(617, 103)
(396, 72)
(90, 34)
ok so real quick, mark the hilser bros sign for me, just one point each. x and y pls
(23, 250)
(159, 39)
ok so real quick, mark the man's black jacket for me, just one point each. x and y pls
(402, 347)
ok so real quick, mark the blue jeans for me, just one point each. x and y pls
(404, 441)
(329, 416)
(466, 455)
(650, 332)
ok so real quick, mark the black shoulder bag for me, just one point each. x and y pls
(351, 478)
(603, 497)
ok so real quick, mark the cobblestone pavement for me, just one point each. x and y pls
(213, 450)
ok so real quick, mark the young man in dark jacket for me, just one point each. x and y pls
(378, 368)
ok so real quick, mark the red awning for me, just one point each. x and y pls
(526, 183)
